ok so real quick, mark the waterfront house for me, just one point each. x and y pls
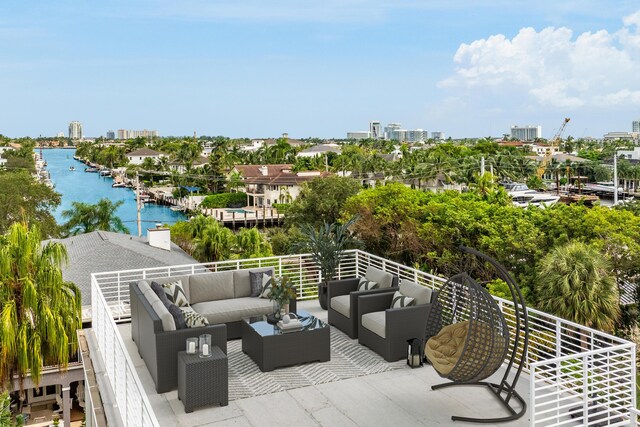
(320, 150)
(269, 184)
(138, 156)
(198, 163)
(552, 381)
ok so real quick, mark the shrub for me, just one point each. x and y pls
(224, 200)
(281, 207)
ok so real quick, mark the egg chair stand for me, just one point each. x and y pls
(467, 308)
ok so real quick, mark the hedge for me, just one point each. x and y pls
(224, 200)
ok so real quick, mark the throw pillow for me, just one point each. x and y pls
(400, 300)
(192, 318)
(175, 293)
(266, 286)
(366, 285)
(255, 278)
(159, 290)
(178, 317)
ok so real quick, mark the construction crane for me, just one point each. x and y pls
(549, 153)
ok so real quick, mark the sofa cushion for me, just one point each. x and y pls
(175, 293)
(375, 322)
(192, 318)
(244, 279)
(233, 310)
(256, 279)
(211, 286)
(151, 296)
(168, 323)
(342, 304)
(384, 279)
(420, 293)
(143, 286)
(399, 300)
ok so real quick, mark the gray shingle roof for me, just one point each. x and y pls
(106, 251)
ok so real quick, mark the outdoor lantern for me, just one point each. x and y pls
(414, 353)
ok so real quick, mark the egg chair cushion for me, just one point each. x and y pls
(444, 350)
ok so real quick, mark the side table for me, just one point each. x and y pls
(203, 380)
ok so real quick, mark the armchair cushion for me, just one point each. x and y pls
(385, 280)
(366, 285)
(399, 300)
(375, 322)
(420, 293)
(342, 304)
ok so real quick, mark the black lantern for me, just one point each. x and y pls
(415, 353)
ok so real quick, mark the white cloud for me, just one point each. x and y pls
(554, 68)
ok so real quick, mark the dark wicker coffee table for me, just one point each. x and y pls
(271, 348)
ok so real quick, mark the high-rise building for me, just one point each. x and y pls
(526, 133)
(390, 128)
(75, 130)
(60, 135)
(111, 134)
(635, 126)
(362, 134)
(375, 129)
(416, 135)
(130, 134)
(437, 135)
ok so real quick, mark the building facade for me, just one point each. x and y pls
(375, 129)
(359, 135)
(130, 134)
(526, 133)
(75, 130)
(635, 126)
(390, 129)
(111, 134)
(437, 135)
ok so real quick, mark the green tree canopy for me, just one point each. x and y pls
(40, 311)
(85, 218)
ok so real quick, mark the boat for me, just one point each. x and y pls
(93, 170)
(523, 196)
(72, 168)
(105, 172)
(177, 208)
(118, 185)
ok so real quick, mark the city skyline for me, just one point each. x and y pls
(319, 69)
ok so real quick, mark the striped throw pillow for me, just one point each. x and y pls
(266, 286)
(193, 319)
(366, 285)
(175, 293)
(400, 301)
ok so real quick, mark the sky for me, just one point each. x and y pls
(318, 68)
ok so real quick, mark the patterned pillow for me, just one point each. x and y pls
(255, 278)
(175, 293)
(192, 318)
(266, 286)
(400, 300)
(366, 285)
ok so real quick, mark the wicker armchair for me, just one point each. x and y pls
(386, 330)
(342, 298)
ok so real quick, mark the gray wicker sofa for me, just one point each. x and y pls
(222, 297)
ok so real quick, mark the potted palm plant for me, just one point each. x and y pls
(327, 245)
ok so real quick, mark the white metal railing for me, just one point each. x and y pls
(131, 399)
(561, 353)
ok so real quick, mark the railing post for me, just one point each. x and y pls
(632, 381)
(532, 395)
(585, 391)
(357, 262)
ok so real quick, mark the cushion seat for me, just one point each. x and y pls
(342, 304)
(234, 309)
(444, 350)
(375, 322)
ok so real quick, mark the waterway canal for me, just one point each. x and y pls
(80, 186)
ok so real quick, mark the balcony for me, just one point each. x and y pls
(573, 375)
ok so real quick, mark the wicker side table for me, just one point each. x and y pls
(203, 381)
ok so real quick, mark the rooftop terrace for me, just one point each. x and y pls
(562, 355)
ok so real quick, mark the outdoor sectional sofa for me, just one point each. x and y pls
(222, 297)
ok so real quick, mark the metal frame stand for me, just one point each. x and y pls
(506, 390)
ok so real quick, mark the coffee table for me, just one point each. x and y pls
(271, 348)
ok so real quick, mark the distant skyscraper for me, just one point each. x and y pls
(75, 130)
(363, 134)
(60, 134)
(375, 129)
(526, 133)
(130, 134)
(635, 127)
(437, 135)
(111, 134)
(390, 128)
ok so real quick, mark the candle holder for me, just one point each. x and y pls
(205, 345)
(192, 345)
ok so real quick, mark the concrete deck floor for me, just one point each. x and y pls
(396, 398)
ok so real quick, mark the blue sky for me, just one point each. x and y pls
(318, 68)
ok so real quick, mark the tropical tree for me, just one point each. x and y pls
(575, 284)
(40, 311)
(252, 244)
(85, 218)
(214, 242)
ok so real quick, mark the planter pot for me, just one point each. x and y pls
(322, 295)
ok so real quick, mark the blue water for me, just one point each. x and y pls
(80, 186)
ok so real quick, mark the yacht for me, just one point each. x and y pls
(91, 170)
(118, 185)
(105, 172)
(523, 196)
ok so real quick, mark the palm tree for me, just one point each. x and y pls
(40, 311)
(575, 284)
(252, 244)
(85, 218)
(214, 243)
